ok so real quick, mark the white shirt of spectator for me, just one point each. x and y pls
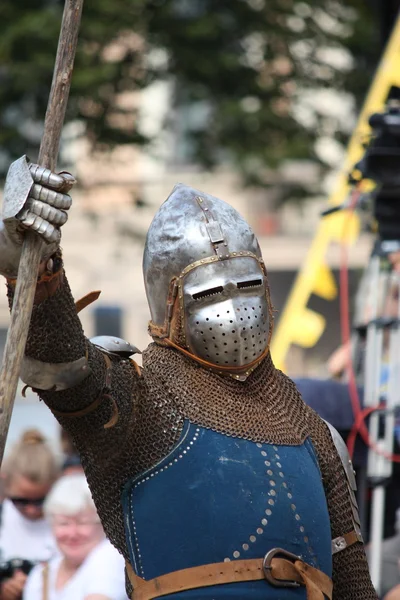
(23, 538)
(102, 572)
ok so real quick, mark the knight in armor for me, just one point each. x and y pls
(210, 474)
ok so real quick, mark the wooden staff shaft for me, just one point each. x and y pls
(32, 246)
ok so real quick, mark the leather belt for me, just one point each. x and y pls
(279, 567)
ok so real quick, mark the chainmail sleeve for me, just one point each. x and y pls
(351, 578)
(56, 336)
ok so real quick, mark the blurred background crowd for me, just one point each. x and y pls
(52, 544)
(252, 101)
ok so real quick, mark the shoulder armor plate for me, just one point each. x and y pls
(344, 455)
(341, 543)
(114, 345)
(17, 187)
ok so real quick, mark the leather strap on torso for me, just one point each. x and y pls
(280, 572)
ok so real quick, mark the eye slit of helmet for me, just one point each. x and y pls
(209, 292)
(250, 283)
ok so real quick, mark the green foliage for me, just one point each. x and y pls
(238, 66)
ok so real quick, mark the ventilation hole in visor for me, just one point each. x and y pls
(209, 292)
(249, 284)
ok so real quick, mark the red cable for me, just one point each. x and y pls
(362, 415)
(359, 426)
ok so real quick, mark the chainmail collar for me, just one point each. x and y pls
(265, 408)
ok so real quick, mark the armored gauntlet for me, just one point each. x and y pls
(35, 199)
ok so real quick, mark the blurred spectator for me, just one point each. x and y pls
(67, 445)
(332, 401)
(29, 471)
(339, 360)
(88, 566)
(394, 594)
(395, 260)
(72, 464)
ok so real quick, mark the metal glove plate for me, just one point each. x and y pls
(16, 191)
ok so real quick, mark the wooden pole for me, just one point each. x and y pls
(32, 246)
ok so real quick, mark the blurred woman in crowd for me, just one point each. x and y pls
(394, 594)
(29, 471)
(72, 462)
(88, 567)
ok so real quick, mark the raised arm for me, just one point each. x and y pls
(70, 374)
(60, 363)
(95, 396)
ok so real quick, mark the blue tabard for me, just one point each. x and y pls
(217, 498)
